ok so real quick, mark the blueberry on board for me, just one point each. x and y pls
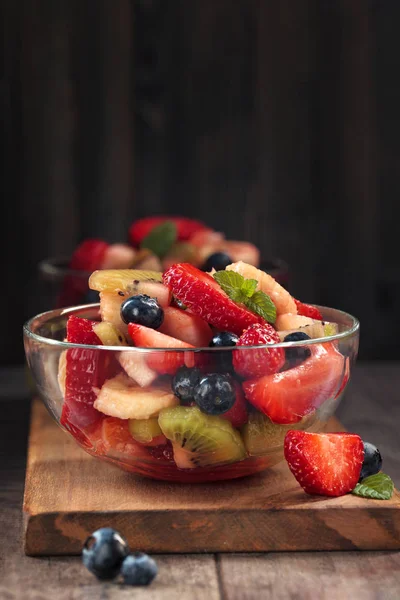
(143, 310)
(104, 552)
(372, 463)
(184, 383)
(138, 569)
(215, 394)
(218, 261)
(297, 354)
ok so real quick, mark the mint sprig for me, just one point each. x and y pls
(244, 291)
(379, 487)
(160, 239)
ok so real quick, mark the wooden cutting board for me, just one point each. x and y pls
(69, 494)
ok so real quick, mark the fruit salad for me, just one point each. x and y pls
(155, 243)
(187, 375)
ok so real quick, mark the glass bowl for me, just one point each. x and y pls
(303, 395)
(61, 286)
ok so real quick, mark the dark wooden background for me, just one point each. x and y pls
(276, 122)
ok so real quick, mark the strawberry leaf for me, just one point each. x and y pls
(262, 305)
(160, 239)
(379, 487)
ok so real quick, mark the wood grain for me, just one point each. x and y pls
(67, 496)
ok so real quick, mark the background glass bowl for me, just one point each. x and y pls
(108, 438)
(61, 286)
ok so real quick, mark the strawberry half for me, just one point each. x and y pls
(306, 310)
(257, 363)
(328, 464)
(164, 363)
(205, 298)
(84, 370)
(185, 227)
(288, 396)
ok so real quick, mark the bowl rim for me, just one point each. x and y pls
(60, 312)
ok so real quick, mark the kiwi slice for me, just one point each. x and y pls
(318, 329)
(109, 334)
(261, 435)
(200, 440)
(114, 280)
(144, 430)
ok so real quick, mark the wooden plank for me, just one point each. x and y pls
(66, 498)
(328, 576)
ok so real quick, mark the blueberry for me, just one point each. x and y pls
(372, 461)
(139, 569)
(297, 354)
(224, 339)
(104, 552)
(218, 261)
(143, 310)
(184, 382)
(215, 394)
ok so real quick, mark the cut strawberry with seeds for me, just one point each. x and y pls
(238, 414)
(185, 227)
(288, 396)
(84, 370)
(164, 363)
(306, 310)
(257, 363)
(205, 298)
(328, 464)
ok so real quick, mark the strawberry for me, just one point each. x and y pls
(162, 362)
(87, 257)
(185, 228)
(306, 310)
(84, 369)
(257, 363)
(328, 464)
(288, 396)
(205, 298)
(238, 414)
(185, 326)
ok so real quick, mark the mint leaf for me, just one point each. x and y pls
(249, 287)
(160, 238)
(262, 305)
(243, 290)
(231, 282)
(379, 487)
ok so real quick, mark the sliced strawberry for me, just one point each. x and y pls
(204, 297)
(162, 362)
(185, 227)
(238, 414)
(87, 257)
(84, 369)
(185, 326)
(257, 363)
(288, 396)
(306, 310)
(328, 464)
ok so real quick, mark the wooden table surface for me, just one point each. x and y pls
(371, 408)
